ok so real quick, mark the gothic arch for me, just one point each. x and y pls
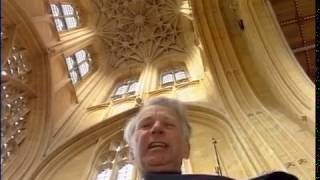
(201, 116)
(36, 125)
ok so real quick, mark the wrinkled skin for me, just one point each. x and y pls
(158, 143)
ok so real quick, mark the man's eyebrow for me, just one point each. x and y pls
(144, 118)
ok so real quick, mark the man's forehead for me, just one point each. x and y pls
(149, 110)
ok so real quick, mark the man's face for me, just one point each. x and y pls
(158, 143)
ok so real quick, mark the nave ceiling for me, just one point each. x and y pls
(140, 31)
(135, 32)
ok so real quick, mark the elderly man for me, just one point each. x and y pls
(158, 138)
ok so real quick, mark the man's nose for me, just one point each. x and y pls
(157, 128)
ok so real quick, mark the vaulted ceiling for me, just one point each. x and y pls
(297, 20)
(139, 31)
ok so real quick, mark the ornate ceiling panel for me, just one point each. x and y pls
(140, 30)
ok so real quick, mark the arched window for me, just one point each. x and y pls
(104, 174)
(171, 77)
(125, 172)
(114, 164)
(65, 16)
(79, 65)
(129, 87)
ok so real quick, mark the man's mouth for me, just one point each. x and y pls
(155, 145)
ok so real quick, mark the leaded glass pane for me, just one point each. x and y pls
(78, 65)
(83, 68)
(167, 78)
(71, 22)
(65, 16)
(104, 175)
(67, 9)
(80, 56)
(59, 24)
(74, 76)
(70, 63)
(133, 87)
(180, 75)
(55, 10)
(125, 172)
(122, 89)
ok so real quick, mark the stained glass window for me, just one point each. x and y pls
(65, 16)
(79, 65)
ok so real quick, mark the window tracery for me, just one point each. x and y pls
(79, 65)
(16, 95)
(65, 16)
(113, 162)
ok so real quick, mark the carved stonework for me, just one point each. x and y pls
(16, 95)
(139, 30)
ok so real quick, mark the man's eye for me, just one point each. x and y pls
(145, 125)
(170, 125)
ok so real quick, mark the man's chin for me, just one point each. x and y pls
(160, 166)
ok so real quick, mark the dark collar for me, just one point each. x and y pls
(164, 172)
(151, 175)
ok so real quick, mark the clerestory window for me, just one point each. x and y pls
(171, 77)
(79, 65)
(129, 87)
(65, 16)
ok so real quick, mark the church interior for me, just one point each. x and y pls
(75, 71)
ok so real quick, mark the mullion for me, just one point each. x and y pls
(73, 15)
(74, 58)
(174, 75)
(82, 62)
(63, 16)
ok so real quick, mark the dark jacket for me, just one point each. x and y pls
(278, 175)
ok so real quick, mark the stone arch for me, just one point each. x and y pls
(207, 122)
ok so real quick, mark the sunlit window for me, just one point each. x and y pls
(65, 16)
(185, 7)
(79, 65)
(129, 87)
(133, 87)
(125, 172)
(173, 76)
(104, 175)
(167, 78)
(180, 75)
(114, 162)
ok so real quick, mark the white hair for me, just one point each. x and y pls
(172, 104)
